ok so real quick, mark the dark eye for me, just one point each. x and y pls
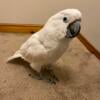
(65, 19)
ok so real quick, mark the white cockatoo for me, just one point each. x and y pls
(47, 45)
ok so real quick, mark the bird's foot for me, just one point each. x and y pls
(48, 75)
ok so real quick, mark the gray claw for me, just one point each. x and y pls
(46, 74)
(49, 76)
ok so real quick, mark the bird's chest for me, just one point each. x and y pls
(55, 50)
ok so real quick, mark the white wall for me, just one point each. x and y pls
(38, 11)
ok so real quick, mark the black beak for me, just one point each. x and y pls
(73, 29)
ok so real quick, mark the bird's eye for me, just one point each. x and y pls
(65, 19)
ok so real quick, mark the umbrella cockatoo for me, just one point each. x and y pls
(46, 46)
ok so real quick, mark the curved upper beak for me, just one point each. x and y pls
(73, 29)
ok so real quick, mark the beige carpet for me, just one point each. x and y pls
(78, 71)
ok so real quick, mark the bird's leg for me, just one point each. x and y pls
(44, 73)
(36, 71)
(47, 74)
(51, 72)
(36, 75)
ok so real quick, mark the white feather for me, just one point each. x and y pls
(47, 45)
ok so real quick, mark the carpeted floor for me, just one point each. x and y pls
(78, 71)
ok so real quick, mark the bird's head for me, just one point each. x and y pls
(65, 24)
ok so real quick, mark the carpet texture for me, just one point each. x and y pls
(78, 71)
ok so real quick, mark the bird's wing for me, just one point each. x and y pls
(31, 50)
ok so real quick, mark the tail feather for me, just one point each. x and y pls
(16, 55)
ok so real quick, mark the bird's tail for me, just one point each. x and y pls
(15, 56)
